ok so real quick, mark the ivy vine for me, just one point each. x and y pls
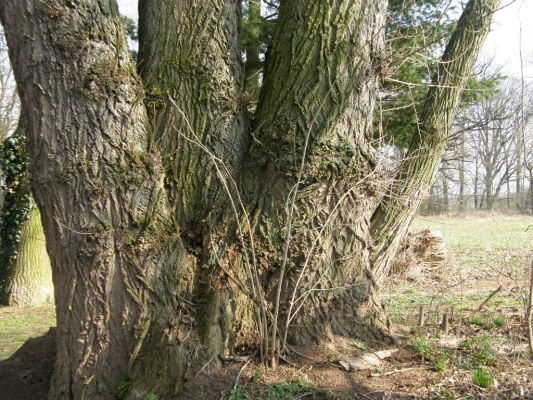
(17, 202)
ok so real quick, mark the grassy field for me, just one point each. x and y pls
(493, 241)
(18, 324)
(487, 357)
(483, 254)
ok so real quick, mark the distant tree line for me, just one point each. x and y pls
(489, 160)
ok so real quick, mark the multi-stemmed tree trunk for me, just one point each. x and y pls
(25, 272)
(175, 227)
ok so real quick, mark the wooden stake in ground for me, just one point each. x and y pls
(421, 316)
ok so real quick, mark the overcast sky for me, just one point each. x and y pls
(502, 43)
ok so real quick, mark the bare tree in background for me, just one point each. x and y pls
(486, 154)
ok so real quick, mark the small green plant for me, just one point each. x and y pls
(239, 393)
(376, 370)
(283, 391)
(356, 344)
(332, 358)
(445, 394)
(123, 388)
(438, 357)
(499, 321)
(482, 378)
(441, 362)
(422, 347)
(478, 321)
(150, 396)
(304, 381)
(480, 348)
(258, 376)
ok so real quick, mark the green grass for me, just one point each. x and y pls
(429, 352)
(481, 233)
(18, 324)
(482, 378)
(480, 248)
(480, 348)
(495, 241)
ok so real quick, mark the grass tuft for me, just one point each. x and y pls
(482, 378)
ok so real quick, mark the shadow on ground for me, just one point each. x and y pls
(26, 376)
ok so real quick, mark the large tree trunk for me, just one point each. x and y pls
(30, 280)
(197, 113)
(115, 255)
(171, 224)
(25, 272)
(310, 150)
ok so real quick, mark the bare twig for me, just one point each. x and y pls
(490, 296)
(240, 373)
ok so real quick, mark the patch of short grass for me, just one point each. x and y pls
(480, 348)
(438, 357)
(18, 324)
(497, 232)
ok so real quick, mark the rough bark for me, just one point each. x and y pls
(196, 111)
(189, 60)
(115, 258)
(140, 227)
(31, 276)
(315, 173)
(416, 174)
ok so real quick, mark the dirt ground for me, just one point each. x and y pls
(26, 375)
(315, 374)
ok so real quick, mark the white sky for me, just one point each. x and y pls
(502, 44)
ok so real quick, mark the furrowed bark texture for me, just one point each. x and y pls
(189, 59)
(132, 179)
(417, 172)
(190, 63)
(311, 142)
(116, 261)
